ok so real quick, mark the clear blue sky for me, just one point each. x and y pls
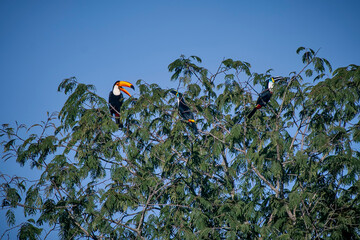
(99, 42)
(43, 42)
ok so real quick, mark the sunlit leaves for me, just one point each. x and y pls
(185, 66)
(308, 54)
(319, 64)
(237, 65)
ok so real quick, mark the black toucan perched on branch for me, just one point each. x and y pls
(184, 110)
(265, 95)
(116, 99)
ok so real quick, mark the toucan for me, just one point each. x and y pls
(116, 99)
(265, 95)
(184, 110)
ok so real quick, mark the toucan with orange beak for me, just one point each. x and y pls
(116, 99)
(264, 96)
(184, 110)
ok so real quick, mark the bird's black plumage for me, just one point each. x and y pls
(185, 111)
(115, 103)
(264, 96)
(116, 99)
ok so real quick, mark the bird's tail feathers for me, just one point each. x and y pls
(252, 113)
(194, 127)
(117, 120)
(254, 110)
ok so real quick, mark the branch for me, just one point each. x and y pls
(119, 223)
(264, 179)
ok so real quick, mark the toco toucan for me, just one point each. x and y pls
(184, 110)
(116, 99)
(265, 95)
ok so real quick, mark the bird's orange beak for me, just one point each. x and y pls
(122, 84)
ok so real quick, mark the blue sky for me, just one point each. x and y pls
(99, 42)
(43, 42)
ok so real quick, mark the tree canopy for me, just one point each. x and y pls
(289, 172)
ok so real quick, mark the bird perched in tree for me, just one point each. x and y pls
(116, 99)
(184, 110)
(265, 95)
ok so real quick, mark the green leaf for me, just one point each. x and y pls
(300, 49)
(10, 217)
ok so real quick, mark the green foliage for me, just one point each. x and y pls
(290, 172)
(29, 231)
(10, 217)
(185, 66)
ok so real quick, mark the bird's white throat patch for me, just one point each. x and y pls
(116, 91)
(271, 85)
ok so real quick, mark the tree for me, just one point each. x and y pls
(290, 172)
